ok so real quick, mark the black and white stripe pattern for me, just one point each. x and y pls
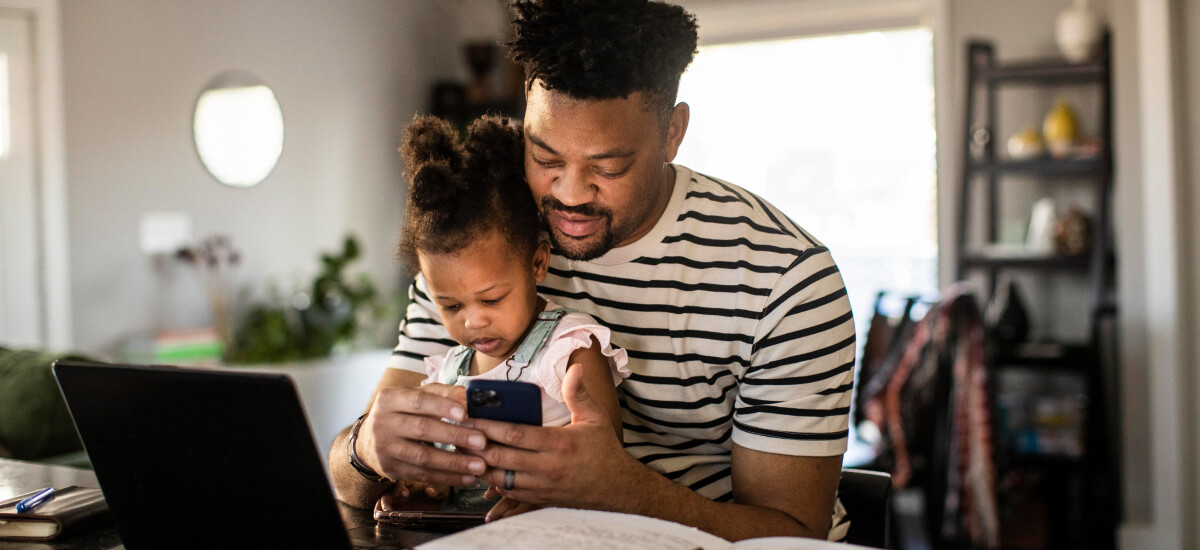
(738, 330)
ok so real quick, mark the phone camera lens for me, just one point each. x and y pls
(479, 398)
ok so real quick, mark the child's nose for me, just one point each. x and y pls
(476, 320)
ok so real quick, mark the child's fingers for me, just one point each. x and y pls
(520, 508)
(437, 490)
(499, 509)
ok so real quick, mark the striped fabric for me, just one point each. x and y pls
(738, 330)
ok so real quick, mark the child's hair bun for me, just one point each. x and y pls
(428, 139)
(494, 150)
(433, 186)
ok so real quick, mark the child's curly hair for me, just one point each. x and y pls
(602, 49)
(458, 192)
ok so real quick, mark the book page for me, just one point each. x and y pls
(579, 529)
(792, 543)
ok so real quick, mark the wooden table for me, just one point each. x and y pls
(18, 477)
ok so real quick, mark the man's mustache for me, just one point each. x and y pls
(586, 209)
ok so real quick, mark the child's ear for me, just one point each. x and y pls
(541, 261)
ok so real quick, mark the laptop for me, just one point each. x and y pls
(202, 458)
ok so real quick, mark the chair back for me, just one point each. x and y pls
(866, 495)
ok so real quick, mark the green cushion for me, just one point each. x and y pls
(34, 422)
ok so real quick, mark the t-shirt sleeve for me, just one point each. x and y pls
(576, 331)
(421, 332)
(795, 397)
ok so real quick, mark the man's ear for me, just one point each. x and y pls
(676, 129)
(541, 261)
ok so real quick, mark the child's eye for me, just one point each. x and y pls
(493, 302)
(454, 307)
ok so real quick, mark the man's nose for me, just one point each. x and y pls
(574, 188)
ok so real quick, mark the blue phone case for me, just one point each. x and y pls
(518, 402)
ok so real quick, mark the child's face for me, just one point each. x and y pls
(486, 293)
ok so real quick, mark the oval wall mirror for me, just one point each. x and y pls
(238, 129)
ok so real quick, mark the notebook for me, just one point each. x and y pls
(202, 458)
(68, 509)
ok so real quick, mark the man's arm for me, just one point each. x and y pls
(583, 465)
(350, 486)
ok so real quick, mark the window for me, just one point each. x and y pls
(837, 132)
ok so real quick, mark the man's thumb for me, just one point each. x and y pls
(583, 407)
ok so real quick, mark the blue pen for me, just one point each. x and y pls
(35, 500)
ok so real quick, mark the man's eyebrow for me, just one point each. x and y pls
(610, 154)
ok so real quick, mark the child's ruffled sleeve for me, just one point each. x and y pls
(575, 331)
(433, 367)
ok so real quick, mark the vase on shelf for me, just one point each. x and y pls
(481, 58)
(1077, 31)
(1006, 317)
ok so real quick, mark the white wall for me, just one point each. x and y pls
(348, 75)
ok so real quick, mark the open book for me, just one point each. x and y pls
(591, 530)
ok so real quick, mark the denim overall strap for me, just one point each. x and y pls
(538, 335)
(460, 365)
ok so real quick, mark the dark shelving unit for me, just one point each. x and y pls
(1085, 486)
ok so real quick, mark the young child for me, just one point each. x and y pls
(473, 231)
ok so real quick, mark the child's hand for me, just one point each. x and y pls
(508, 507)
(412, 494)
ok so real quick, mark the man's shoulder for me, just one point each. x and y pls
(718, 208)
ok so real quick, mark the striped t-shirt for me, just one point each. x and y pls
(738, 330)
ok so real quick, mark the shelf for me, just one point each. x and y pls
(1042, 166)
(1050, 71)
(1045, 355)
(1022, 261)
(1047, 461)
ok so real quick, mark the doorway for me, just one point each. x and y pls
(21, 323)
(35, 279)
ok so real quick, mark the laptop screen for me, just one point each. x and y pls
(202, 458)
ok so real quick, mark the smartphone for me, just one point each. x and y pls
(430, 519)
(518, 402)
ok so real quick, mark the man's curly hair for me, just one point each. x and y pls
(602, 49)
(459, 192)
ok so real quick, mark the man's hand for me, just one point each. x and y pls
(580, 465)
(395, 438)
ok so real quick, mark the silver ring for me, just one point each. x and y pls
(508, 479)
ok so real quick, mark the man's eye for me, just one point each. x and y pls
(612, 175)
(545, 163)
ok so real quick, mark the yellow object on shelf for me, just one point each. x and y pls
(1060, 128)
(1026, 144)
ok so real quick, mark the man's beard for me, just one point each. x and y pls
(586, 248)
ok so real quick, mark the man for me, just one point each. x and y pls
(736, 320)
